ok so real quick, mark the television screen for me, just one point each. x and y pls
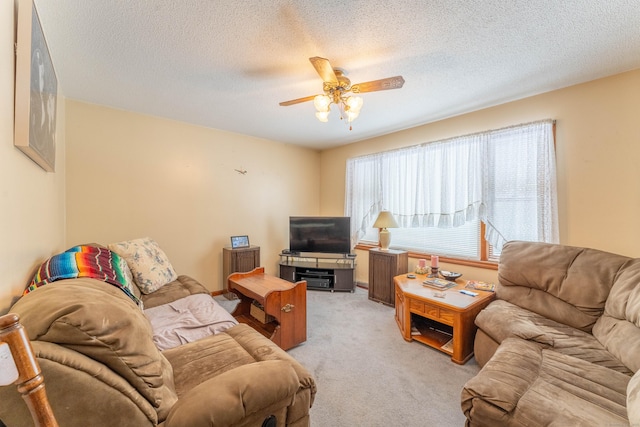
(320, 234)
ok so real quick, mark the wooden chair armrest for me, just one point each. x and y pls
(30, 381)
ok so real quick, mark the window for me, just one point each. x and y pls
(440, 192)
(456, 242)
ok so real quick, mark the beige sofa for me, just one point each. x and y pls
(101, 367)
(560, 346)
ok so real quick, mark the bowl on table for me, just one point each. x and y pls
(450, 275)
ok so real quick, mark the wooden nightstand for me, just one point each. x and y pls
(239, 260)
(384, 265)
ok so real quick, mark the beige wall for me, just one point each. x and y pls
(31, 200)
(132, 175)
(598, 153)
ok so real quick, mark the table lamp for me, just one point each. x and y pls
(385, 220)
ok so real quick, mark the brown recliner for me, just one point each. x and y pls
(95, 348)
(560, 345)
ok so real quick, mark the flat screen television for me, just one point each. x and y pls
(320, 234)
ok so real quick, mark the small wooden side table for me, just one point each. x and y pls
(384, 265)
(286, 302)
(239, 260)
(446, 324)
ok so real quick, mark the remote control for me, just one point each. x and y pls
(471, 294)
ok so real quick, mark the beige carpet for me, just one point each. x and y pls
(368, 375)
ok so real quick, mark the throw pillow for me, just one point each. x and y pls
(149, 265)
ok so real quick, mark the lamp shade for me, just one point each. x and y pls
(385, 220)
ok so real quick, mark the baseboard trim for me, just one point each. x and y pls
(362, 285)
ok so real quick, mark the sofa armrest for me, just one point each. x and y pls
(510, 372)
(77, 387)
(182, 287)
(236, 394)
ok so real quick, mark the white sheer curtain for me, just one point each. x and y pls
(434, 185)
(505, 177)
(520, 194)
(363, 195)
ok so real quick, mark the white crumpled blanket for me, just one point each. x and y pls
(187, 319)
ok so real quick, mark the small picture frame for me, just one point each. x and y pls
(239, 242)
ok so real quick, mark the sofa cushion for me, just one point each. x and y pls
(181, 287)
(261, 348)
(524, 384)
(550, 280)
(196, 362)
(149, 264)
(101, 322)
(244, 396)
(209, 357)
(501, 320)
(619, 327)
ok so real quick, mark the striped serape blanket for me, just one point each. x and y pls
(86, 261)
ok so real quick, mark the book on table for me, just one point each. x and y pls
(439, 284)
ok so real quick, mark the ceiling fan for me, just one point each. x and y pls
(336, 88)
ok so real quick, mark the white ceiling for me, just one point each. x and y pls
(227, 64)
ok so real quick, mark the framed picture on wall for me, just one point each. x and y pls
(36, 90)
(239, 242)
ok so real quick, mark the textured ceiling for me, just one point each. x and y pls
(227, 64)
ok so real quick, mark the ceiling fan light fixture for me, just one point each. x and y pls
(351, 115)
(322, 103)
(336, 87)
(355, 104)
(323, 116)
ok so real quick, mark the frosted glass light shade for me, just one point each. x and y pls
(323, 116)
(322, 103)
(351, 116)
(355, 104)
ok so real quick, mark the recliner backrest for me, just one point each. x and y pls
(618, 329)
(567, 284)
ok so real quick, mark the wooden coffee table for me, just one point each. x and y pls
(446, 324)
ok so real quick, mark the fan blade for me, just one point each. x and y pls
(382, 84)
(297, 101)
(324, 69)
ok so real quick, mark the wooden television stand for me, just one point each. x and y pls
(283, 301)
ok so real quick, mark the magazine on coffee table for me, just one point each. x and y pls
(480, 286)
